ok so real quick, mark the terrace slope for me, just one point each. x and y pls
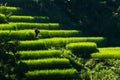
(39, 62)
(43, 57)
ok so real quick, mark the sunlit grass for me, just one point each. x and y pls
(52, 74)
(110, 52)
(15, 18)
(23, 25)
(30, 34)
(18, 35)
(82, 47)
(40, 54)
(13, 9)
(56, 42)
(48, 63)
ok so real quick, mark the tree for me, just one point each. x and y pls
(8, 59)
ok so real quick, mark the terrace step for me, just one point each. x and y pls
(30, 34)
(47, 63)
(14, 10)
(56, 74)
(16, 18)
(40, 54)
(83, 49)
(57, 42)
(107, 53)
(25, 25)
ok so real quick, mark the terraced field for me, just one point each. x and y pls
(107, 53)
(42, 57)
(35, 59)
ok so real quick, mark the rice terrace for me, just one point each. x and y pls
(59, 40)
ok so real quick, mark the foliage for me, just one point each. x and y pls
(2, 18)
(103, 69)
(96, 69)
(94, 18)
(4, 10)
(7, 10)
(8, 59)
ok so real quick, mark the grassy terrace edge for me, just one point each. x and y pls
(57, 42)
(40, 54)
(16, 18)
(25, 25)
(47, 63)
(107, 53)
(52, 74)
(30, 34)
(10, 8)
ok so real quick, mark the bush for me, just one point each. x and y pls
(50, 63)
(8, 58)
(3, 18)
(40, 54)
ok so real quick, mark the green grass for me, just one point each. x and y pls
(49, 63)
(57, 42)
(108, 52)
(60, 33)
(15, 18)
(56, 74)
(23, 25)
(82, 47)
(12, 9)
(8, 27)
(30, 34)
(40, 54)
(18, 34)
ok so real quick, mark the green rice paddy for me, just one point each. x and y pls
(107, 53)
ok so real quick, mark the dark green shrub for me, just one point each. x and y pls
(3, 18)
(8, 59)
